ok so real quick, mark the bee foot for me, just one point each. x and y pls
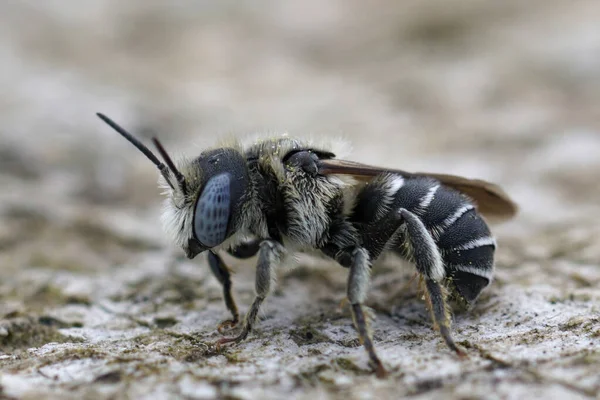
(461, 354)
(227, 325)
(343, 303)
(379, 369)
(233, 340)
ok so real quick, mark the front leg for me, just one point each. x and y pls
(269, 257)
(221, 272)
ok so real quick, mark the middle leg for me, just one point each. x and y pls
(358, 285)
(357, 260)
(345, 248)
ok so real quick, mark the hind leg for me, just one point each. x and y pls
(428, 261)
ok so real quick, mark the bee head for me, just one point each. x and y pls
(204, 196)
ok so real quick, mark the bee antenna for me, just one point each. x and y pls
(134, 141)
(170, 164)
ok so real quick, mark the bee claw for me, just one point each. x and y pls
(232, 340)
(463, 355)
(227, 325)
(236, 339)
(380, 371)
(343, 303)
(224, 341)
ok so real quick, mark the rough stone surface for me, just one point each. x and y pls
(94, 303)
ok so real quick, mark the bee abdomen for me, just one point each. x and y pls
(460, 233)
(464, 239)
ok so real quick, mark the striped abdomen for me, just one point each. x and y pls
(463, 238)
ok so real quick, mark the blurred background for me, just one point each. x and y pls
(506, 91)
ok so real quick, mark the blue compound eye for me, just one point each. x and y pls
(212, 211)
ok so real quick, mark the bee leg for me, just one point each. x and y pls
(358, 284)
(269, 256)
(221, 272)
(441, 314)
(428, 261)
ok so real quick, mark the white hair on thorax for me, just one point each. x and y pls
(178, 207)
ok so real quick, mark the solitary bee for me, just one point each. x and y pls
(283, 194)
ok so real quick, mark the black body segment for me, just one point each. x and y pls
(468, 285)
(469, 227)
(445, 204)
(461, 236)
(412, 194)
(372, 214)
(245, 249)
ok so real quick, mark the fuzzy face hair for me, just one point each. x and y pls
(178, 207)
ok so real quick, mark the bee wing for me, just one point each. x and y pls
(490, 200)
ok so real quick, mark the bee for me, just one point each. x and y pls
(282, 195)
